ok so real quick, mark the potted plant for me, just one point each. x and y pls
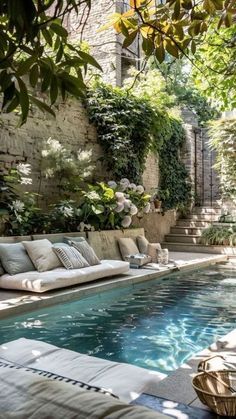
(159, 197)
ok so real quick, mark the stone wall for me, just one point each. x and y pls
(157, 225)
(71, 127)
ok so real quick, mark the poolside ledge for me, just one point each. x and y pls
(19, 302)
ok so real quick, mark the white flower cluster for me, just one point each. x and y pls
(18, 208)
(123, 202)
(24, 170)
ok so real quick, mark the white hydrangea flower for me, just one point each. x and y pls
(67, 212)
(17, 206)
(120, 196)
(112, 184)
(140, 189)
(24, 169)
(127, 204)
(133, 209)
(133, 186)
(119, 207)
(26, 181)
(55, 145)
(147, 208)
(19, 218)
(81, 226)
(94, 196)
(127, 220)
(124, 183)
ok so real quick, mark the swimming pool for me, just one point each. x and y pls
(157, 324)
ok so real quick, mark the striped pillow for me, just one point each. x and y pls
(70, 257)
(87, 252)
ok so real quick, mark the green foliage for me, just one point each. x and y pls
(218, 235)
(112, 205)
(67, 167)
(174, 187)
(125, 129)
(173, 27)
(223, 139)
(36, 55)
(181, 87)
(215, 75)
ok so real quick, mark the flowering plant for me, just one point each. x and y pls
(112, 205)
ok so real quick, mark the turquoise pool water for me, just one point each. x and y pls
(157, 325)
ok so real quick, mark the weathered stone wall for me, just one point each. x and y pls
(157, 225)
(71, 127)
(151, 172)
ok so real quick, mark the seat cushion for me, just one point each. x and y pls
(42, 255)
(14, 258)
(124, 380)
(127, 247)
(61, 277)
(86, 251)
(69, 256)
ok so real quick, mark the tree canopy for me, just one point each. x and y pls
(38, 60)
(36, 54)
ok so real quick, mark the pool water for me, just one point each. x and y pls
(158, 324)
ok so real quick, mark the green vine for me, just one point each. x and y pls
(175, 187)
(126, 129)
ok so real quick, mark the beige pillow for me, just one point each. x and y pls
(42, 255)
(152, 250)
(127, 247)
(142, 244)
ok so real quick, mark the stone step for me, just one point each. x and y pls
(203, 217)
(187, 230)
(195, 248)
(195, 224)
(206, 210)
(181, 238)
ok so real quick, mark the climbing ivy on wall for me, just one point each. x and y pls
(128, 128)
(175, 188)
(125, 127)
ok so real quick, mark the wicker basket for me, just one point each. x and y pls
(217, 389)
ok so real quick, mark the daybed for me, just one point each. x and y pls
(28, 394)
(59, 278)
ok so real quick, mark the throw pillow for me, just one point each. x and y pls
(153, 249)
(87, 252)
(142, 244)
(14, 258)
(127, 247)
(69, 256)
(42, 255)
(68, 239)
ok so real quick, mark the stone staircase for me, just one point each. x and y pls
(186, 234)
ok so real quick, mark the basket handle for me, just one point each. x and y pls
(202, 364)
(220, 381)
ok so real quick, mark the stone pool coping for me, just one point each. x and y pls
(19, 302)
(178, 385)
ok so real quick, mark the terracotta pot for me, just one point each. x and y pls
(157, 203)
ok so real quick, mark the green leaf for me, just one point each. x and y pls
(34, 75)
(47, 76)
(160, 53)
(41, 105)
(24, 66)
(90, 60)
(130, 39)
(53, 90)
(59, 30)
(14, 103)
(47, 36)
(24, 100)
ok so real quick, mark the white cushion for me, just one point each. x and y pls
(61, 277)
(42, 255)
(127, 247)
(125, 380)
